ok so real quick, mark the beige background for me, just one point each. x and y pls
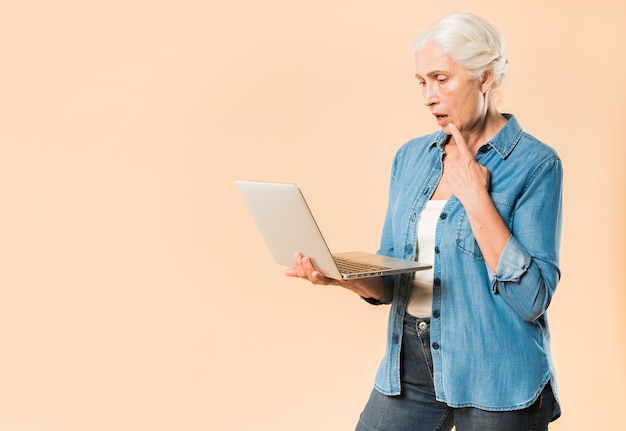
(135, 291)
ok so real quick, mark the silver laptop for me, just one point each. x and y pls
(287, 226)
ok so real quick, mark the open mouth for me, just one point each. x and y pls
(441, 119)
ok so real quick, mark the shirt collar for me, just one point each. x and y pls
(503, 143)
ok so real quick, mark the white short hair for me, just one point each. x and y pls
(470, 41)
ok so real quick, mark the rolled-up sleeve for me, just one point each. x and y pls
(514, 262)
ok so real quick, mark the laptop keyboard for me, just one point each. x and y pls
(347, 266)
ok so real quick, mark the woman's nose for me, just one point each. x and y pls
(430, 95)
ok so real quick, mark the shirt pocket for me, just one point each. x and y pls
(465, 240)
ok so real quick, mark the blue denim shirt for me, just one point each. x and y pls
(490, 340)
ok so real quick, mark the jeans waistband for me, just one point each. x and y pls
(412, 320)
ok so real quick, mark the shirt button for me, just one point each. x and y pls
(436, 250)
(435, 345)
(435, 313)
(436, 281)
(442, 216)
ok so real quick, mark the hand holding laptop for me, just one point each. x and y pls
(365, 287)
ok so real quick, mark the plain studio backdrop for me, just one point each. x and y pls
(135, 290)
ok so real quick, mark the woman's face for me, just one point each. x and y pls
(451, 94)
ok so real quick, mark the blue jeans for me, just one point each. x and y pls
(418, 410)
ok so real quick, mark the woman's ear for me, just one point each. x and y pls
(487, 81)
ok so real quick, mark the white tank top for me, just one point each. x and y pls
(421, 298)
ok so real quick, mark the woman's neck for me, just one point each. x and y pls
(484, 131)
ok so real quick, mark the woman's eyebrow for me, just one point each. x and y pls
(432, 74)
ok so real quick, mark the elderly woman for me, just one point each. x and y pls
(468, 341)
